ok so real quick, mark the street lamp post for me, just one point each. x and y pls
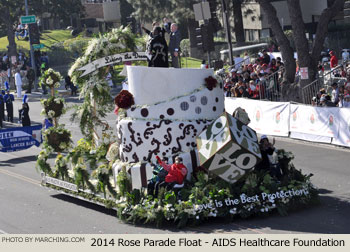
(31, 49)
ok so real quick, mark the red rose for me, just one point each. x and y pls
(210, 82)
(124, 99)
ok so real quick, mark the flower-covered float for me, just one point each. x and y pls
(168, 113)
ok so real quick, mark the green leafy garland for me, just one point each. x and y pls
(94, 90)
(56, 138)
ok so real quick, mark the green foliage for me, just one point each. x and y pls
(81, 177)
(102, 174)
(41, 163)
(94, 90)
(61, 167)
(57, 139)
(123, 182)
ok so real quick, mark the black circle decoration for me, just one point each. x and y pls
(204, 100)
(218, 125)
(198, 110)
(144, 112)
(216, 99)
(170, 111)
(133, 108)
(214, 108)
(193, 98)
(184, 106)
(161, 116)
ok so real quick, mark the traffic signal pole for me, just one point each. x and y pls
(31, 49)
(228, 32)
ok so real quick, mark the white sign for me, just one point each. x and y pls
(270, 118)
(59, 183)
(111, 60)
(202, 11)
(304, 73)
(343, 138)
(13, 60)
(321, 121)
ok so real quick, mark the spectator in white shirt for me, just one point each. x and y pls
(18, 82)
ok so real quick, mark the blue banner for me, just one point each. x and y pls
(21, 138)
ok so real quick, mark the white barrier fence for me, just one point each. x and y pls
(317, 124)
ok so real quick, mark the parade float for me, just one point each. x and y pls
(165, 113)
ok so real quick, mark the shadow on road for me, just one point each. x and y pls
(18, 160)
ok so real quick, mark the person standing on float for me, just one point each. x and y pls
(174, 45)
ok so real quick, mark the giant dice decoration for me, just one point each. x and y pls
(228, 148)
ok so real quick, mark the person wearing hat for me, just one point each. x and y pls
(267, 149)
(9, 99)
(334, 60)
(24, 112)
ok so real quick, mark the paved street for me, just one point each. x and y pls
(26, 207)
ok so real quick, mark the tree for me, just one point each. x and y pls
(306, 58)
(62, 10)
(10, 11)
(126, 10)
(149, 10)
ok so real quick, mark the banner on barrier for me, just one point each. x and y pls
(270, 118)
(321, 121)
(343, 138)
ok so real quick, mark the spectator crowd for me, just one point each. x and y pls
(257, 79)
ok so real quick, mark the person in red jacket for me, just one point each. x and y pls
(334, 59)
(176, 174)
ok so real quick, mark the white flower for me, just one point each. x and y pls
(63, 145)
(49, 81)
(197, 217)
(57, 84)
(51, 113)
(262, 210)
(92, 152)
(232, 211)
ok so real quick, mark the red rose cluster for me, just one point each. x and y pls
(210, 82)
(124, 99)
